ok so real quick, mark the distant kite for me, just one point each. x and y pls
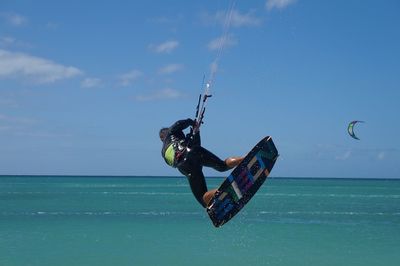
(350, 128)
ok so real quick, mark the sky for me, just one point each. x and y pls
(85, 86)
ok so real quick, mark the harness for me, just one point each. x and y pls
(175, 152)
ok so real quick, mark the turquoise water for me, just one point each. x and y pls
(156, 221)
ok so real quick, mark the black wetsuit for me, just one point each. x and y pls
(191, 157)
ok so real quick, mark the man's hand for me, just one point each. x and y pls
(193, 122)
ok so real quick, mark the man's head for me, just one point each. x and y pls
(163, 133)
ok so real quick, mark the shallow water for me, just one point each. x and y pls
(156, 221)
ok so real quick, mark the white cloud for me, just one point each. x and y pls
(344, 156)
(127, 78)
(5, 102)
(381, 155)
(278, 4)
(235, 18)
(214, 67)
(91, 82)
(40, 134)
(51, 25)
(16, 120)
(222, 41)
(8, 41)
(24, 127)
(173, 20)
(14, 19)
(166, 93)
(171, 68)
(5, 128)
(166, 47)
(20, 65)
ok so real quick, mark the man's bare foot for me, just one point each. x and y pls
(232, 162)
(208, 196)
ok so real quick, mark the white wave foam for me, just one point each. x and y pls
(395, 196)
(349, 213)
(101, 213)
(94, 193)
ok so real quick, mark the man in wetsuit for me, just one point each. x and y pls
(187, 155)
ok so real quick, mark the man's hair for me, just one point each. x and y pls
(164, 130)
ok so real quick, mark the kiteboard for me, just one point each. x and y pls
(244, 181)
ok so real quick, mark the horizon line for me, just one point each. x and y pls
(170, 176)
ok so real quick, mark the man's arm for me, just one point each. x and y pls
(181, 125)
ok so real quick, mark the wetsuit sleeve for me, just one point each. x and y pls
(181, 125)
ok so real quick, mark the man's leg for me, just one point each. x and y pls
(196, 180)
(209, 159)
(193, 171)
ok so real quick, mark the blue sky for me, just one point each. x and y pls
(85, 87)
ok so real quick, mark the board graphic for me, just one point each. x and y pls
(244, 181)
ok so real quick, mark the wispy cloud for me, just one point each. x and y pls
(173, 20)
(91, 83)
(214, 67)
(20, 65)
(171, 68)
(222, 41)
(25, 127)
(381, 155)
(14, 119)
(4, 128)
(41, 134)
(6, 102)
(51, 25)
(236, 18)
(278, 4)
(14, 19)
(163, 94)
(129, 77)
(165, 47)
(8, 41)
(13, 123)
(344, 156)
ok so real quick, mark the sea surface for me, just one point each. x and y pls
(57, 221)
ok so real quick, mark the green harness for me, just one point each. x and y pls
(169, 155)
(174, 152)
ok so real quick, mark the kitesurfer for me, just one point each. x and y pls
(187, 155)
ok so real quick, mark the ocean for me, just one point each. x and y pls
(48, 221)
